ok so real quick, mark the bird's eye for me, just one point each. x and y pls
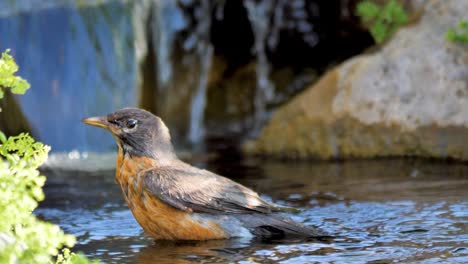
(131, 123)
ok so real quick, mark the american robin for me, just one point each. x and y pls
(173, 200)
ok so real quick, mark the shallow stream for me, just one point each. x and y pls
(383, 211)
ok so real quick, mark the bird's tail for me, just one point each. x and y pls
(277, 226)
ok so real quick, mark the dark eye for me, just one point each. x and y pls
(131, 123)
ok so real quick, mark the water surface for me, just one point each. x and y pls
(383, 211)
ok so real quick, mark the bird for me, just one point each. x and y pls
(173, 200)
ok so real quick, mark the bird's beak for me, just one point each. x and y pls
(99, 121)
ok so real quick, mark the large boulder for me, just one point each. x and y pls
(409, 98)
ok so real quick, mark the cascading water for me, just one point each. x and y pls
(140, 16)
(79, 63)
(267, 19)
(194, 52)
(168, 21)
(259, 14)
(91, 57)
(204, 50)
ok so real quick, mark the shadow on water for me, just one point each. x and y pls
(384, 211)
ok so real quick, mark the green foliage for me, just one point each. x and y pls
(458, 35)
(23, 237)
(26, 239)
(382, 21)
(8, 68)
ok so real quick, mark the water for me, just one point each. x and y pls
(204, 50)
(79, 61)
(89, 57)
(259, 15)
(168, 20)
(382, 211)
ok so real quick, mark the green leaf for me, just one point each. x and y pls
(367, 10)
(20, 86)
(2, 137)
(458, 35)
(463, 25)
(451, 34)
(8, 68)
(382, 21)
(379, 31)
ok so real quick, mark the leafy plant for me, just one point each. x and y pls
(382, 21)
(23, 237)
(8, 68)
(27, 239)
(458, 35)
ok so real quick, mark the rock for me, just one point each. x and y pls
(410, 98)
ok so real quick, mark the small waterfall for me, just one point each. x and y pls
(98, 56)
(140, 16)
(197, 108)
(204, 50)
(79, 62)
(259, 14)
(194, 56)
(278, 22)
(168, 21)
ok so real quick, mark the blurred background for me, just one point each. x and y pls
(208, 68)
(219, 69)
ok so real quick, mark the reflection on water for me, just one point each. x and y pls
(381, 211)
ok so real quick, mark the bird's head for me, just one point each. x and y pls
(137, 132)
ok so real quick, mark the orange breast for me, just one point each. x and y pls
(158, 219)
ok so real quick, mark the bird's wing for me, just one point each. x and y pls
(194, 190)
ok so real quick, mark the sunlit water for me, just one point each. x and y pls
(381, 211)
